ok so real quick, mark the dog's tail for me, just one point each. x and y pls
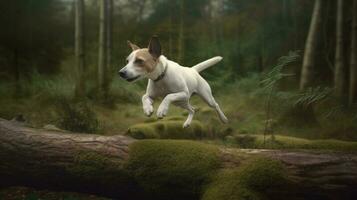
(206, 64)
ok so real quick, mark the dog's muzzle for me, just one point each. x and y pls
(124, 75)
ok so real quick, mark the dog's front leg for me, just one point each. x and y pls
(147, 105)
(164, 106)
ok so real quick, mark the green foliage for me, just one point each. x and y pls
(77, 117)
(247, 182)
(48, 87)
(244, 141)
(167, 167)
(122, 92)
(249, 84)
(271, 78)
(312, 96)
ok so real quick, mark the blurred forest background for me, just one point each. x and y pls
(289, 65)
(288, 79)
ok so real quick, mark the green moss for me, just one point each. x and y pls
(226, 186)
(91, 169)
(90, 163)
(248, 182)
(167, 168)
(167, 129)
(287, 142)
(262, 173)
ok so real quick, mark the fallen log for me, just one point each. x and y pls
(58, 160)
(123, 168)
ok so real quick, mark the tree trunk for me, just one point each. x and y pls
(353, 57)
(109, 44)
(171, 31)
(340, 71)
(181, 39)
(17, 90)
(94, 164)
(311, 47)
(102, 56)
(79, 49)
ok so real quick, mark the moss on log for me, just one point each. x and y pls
(124, 168)
(167, 129)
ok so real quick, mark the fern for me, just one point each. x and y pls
(269, 82)
(312, 95)
(270, 79)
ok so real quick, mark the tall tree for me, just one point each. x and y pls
(102, 56)
(79, 49)
(353, 57)
(340, 71)
(109, 41)
(181, 39)
(311, 46)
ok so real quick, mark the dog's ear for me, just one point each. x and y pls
(155, 47)
(132, 46)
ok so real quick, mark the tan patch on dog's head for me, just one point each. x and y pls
(145, 60)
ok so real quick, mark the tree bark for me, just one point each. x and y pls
(52, 159)
(340, 71)
(353, 58)
(109, 44)
(17, 90)
(181, 39)
(79, 49)
(102, 52)
(311, 47)
(69, 161)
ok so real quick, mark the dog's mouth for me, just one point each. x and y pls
(133, 79)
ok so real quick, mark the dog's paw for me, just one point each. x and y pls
(162, 111)
(224, 119)
(186, 125)
(148, 110)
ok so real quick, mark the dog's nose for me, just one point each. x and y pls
(122, 74)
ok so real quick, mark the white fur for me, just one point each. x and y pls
(177, 86)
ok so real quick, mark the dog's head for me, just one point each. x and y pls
(141, 61)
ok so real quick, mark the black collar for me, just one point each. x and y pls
(162, 75)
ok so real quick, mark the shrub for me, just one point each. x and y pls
(77, 117)
(245, 141)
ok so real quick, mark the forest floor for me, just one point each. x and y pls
(246, 113)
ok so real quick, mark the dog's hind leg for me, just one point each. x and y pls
(204, 91)
(191, 112)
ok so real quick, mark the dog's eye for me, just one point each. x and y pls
(139, 61)
(127, 60)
